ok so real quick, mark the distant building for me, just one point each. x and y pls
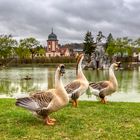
(53, 48)
(74, 48)
(64, 51)
(78, 51)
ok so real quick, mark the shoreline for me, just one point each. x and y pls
(3, 97)
(39, 65)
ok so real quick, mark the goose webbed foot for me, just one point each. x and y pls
(103, 100)
(74, 103)
(52, 120)
(49, 121)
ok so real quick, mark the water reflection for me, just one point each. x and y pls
(12, 83)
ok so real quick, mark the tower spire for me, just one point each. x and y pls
(52, 30)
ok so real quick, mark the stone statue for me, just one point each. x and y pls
(99, 59)
(99, 37)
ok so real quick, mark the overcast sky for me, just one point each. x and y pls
(70, 19)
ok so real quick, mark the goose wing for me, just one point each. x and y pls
(100, 89)
(73, 86)
(73, 89)
(37, 102)
(99, 85)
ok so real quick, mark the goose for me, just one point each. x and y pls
(105, 88)
(44, 103)
(77, 87)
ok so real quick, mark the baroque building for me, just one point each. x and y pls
(53, 48)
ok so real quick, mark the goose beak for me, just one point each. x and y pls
(62, 70)
(118, 65)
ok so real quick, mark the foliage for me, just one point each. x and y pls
(31, 44)
(89, 45)
(109, 39)
(6, 45)
(109, 48)
(91, 120)
(56, 59)
(22, 52)
(44, 61)
(123, 46)
(30, 47)
(137, 42)
(41, 51)
(120, 46)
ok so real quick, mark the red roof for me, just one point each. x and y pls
(63, 50)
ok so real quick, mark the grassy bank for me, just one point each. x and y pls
(91, 120)
(43, 61)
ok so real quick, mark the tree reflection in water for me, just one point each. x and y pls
(11, 82)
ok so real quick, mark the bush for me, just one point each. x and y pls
(39, 60)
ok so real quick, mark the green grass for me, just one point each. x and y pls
(91, 120)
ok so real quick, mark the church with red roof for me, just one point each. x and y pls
(53, 48)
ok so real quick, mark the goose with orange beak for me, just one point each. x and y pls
(104, 88)
(77, 87)
(45, 102)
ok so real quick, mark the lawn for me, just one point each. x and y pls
(90, 121)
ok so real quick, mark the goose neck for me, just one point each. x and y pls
(58, 81)
(80, 74)
(112, 76)
(60, 90)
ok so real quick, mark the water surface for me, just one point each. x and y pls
(12, 83)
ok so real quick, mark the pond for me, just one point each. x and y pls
(12, 83)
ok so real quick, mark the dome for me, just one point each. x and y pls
(52, 36)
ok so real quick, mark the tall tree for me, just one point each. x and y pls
(89, 45)
(32, 44)
(22, 52)
(110, 45)
(6, 45)
(137, 42)
(123, 46)
(108, 41)
(41, 51)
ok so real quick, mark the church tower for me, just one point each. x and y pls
(52, 45)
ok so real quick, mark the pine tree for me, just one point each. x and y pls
(110, 45)
(89, 45)
(109, 40)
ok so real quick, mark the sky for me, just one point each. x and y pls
(70, 19)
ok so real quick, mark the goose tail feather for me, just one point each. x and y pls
(27, 103)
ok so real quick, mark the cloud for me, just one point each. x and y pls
(69, 18)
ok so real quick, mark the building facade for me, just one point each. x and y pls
(53, 48)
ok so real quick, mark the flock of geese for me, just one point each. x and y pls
(45, 102)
